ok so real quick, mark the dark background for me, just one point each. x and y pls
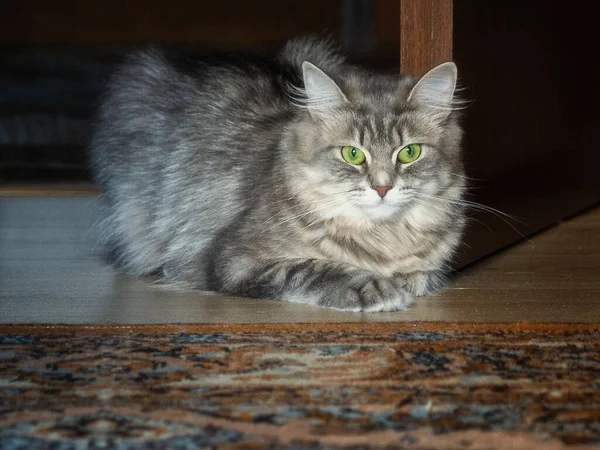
(529, 69)
(55, 58)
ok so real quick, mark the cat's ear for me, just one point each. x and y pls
(436, 88)
(323, 96)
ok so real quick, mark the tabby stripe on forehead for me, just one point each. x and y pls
(397, 132)
(361, 135)
(391, 127)
(380, 126)
(368, 126)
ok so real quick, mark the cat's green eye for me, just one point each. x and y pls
(353, 155)
(409, 153)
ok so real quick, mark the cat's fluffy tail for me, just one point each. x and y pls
(323, 53)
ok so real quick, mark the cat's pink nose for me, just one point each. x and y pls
(382, 190)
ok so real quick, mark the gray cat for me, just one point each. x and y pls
(299, 177)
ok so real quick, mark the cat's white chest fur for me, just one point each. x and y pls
(386, 248)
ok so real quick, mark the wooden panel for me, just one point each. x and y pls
(425, 34)
(531, 127)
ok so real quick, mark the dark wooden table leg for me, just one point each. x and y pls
(425, 34)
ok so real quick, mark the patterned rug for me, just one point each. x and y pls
(394, 385)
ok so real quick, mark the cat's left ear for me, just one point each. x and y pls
(436, 88)
(323, 96)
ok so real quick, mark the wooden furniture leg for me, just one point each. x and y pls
(425, 34)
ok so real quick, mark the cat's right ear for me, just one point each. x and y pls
(436, 89)
(323, 96)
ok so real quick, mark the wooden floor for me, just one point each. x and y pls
(49, 273)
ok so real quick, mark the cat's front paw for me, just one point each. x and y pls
(374, 295)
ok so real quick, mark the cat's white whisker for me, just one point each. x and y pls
(303, 205)
(471, 204)
(306, 213)
(481, 207)
(464, 177)
(429, 204)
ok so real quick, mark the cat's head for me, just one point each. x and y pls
(375, 147)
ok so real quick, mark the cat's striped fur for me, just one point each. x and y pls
(225, 174)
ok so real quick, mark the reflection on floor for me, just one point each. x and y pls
(50, 274)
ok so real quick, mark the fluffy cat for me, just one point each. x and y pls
(298, 177)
